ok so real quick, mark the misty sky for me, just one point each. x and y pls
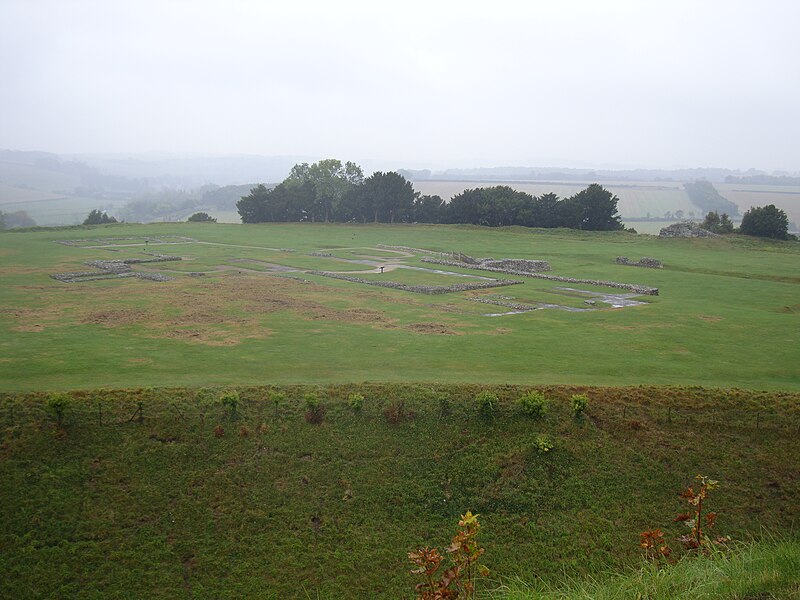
(439, 84)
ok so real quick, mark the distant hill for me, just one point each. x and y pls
(521, 174)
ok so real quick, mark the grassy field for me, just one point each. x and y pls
(787, 198)
(271, 506)
(727, 313)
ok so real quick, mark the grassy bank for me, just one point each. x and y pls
(165, 493)
(767, 570)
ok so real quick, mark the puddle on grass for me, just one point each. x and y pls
(615, 300)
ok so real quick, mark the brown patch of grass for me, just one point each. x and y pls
(30, 328)
(35, 319)
(116, 317)
(789, 309)
(430, 328)
(709, 318)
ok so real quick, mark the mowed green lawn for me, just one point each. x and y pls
(728, 312)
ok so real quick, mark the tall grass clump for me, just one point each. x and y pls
(768, 569)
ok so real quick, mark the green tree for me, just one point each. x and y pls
(495, 206)
(429, 209)
(252, 207)
(543, 212)
(596, 209)
(388, 197)
(201, 217)
(97, 217)
(766, 221)
(331, 180)
(717, 223)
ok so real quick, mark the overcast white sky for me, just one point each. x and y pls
(596, 83)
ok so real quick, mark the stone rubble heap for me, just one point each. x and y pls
(421, 289)
(686, 229)
(650, 263)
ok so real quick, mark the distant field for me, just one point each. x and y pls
(636, 199)
(57, 210)
(727, 313)
(47, 196)
(20, 175)
(784, 197)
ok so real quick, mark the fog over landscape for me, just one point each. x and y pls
(418, 85)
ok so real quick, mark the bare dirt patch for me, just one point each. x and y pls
(501, 331)
(34, 319)
(709, 318)
(790, 309)
(30, 328)
(116, 317)
(430, 328)
(207, 337)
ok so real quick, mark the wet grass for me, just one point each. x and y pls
(765, 570)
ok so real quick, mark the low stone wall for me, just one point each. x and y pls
(639, 289)
(650, 263)
(509, 266)
(421, 289)
(515, 264)
(511, 305)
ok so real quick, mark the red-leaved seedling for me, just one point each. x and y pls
(458, 580)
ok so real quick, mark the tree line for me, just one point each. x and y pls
(330, 191)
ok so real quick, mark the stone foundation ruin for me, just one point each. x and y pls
(116, 269)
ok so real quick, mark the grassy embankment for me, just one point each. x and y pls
(165, 509)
